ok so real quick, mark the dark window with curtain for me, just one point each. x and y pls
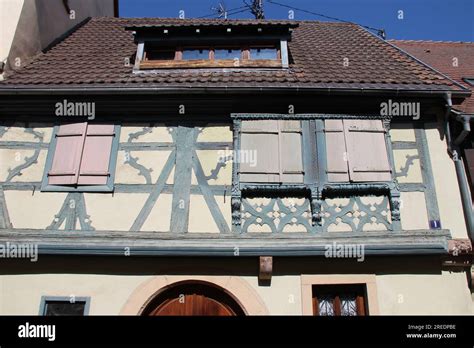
(60, 308)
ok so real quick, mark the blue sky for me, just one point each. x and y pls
(446, 20)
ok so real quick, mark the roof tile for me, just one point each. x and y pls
(322, 54)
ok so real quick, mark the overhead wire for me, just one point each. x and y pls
(380, 32)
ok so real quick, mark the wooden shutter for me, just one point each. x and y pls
(367, 150)
(67, 154)
(277, 145)
(94, 169)
(259, 141)
(291, 158)
(337, 166)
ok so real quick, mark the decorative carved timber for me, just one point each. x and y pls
(395, 202)
(460, 253)
(72, 210)
(356, 214)
(458, 247)
(29, 161)
(316, 206)
(408, 163)
(276, 214)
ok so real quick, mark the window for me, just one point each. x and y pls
(213, 56)
(163, 54)
(64, 306)
(263, 53)
(82, 157)
(227, 53)
(356, 151)
(192, 54)
(469, 80)
(339, 300)
(271, 151)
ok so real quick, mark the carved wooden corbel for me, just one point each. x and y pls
(266, 268)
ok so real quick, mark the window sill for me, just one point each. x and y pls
(89, 188)
(205, 63)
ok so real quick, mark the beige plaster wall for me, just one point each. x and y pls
(413, 213)
(422, 294)
(447, 189)
(409, 294)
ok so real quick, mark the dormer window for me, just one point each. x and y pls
(212, 56)
(213, 46)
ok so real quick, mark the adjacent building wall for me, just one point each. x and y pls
(10, 11)
(29, 26)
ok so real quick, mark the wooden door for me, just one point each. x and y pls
(194, 299)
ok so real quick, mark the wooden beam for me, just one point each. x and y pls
(266, 268)
(205, 63)
(140, 55)
(284, 54)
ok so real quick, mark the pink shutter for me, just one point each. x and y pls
(337, 166)
(291, 158)
(367, 150)
(259, 154)
(67, 154)
(94, 168)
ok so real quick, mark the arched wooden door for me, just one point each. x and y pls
(193, 299)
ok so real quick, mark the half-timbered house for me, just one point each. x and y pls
(228, 167)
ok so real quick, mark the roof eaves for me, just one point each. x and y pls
(22, 90)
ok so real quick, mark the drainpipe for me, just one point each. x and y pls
(466, 128)
(459, 166)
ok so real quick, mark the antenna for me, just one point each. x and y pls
(256, 8)
(221, 10)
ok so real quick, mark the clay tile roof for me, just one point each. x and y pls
(94, 55)
(454, 59)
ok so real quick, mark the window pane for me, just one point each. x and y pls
(326, 307)
(348, 305)
(57, 308)
(160, 55)
(222, 53)
(263, 53)
(190, 54)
